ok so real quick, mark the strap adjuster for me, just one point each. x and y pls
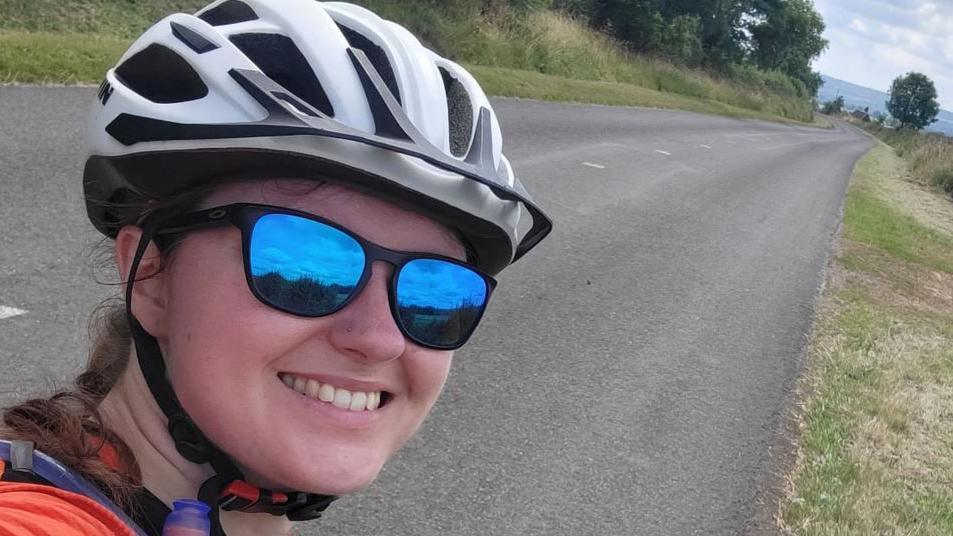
(21, 456)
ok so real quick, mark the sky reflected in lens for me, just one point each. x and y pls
(303, 265)
(439, 284)
(296, 247)
(439, 303)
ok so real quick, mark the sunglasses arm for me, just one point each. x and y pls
(203, 219)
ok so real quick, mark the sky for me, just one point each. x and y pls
(874, 41)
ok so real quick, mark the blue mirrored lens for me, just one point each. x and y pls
(439, 303)
(303, 266)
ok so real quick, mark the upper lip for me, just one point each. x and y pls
(350, 384)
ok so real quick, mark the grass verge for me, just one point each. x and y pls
(69, 41)
(876, 449)
(505, 82)
(930, 154)
(60, 58)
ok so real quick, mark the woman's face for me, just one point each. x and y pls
(229, 355)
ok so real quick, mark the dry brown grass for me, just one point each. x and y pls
(930, 155)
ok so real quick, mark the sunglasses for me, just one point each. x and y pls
(305, 265)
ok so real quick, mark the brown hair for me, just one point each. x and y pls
(68, 425)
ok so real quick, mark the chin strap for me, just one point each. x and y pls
(227, 489)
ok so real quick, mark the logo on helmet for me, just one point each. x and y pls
(105, 91)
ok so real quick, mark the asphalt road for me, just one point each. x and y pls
(633, 374)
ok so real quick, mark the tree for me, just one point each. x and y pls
(835, 106)
(913, 100)
(787, 38)
(774, 35)
(677, 38)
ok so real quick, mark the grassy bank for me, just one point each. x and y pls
(876, 449)
(57, 58)
(40, 38)
(930, 154)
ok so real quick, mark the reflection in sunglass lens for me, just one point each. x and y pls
(303, 266)
(439, 302)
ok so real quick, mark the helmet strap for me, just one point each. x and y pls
(227, 489)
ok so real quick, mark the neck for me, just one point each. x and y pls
(130, 411)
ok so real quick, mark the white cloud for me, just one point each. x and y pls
(874, 41)
(858, 26)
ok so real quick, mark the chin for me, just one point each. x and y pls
(340, 484)
(331, 477)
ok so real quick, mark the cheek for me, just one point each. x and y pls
(221, 340)
(208, 302)
(427, 372)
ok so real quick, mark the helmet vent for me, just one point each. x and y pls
(279, 58)
(161, 75)
(459, 113)
(377, 57)
(231, 12)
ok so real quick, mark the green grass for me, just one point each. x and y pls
(531, 85)
(876, 444)
(871, 219)
(119, 18)
(46, 57)
(510, 51)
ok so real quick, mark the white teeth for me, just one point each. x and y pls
(326, 393)
(300, 384)
(358, 401)
(312, 388)
(341, 398)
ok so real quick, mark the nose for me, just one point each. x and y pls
(365, 329)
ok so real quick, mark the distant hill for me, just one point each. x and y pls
(859, 97)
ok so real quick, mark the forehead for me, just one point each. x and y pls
(375, 219)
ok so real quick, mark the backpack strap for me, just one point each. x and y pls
(32, 466)
(20, 468)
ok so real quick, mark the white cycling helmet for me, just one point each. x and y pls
(327, 90)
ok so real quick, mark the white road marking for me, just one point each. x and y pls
(666, 153)
(706, 146)
(9, 312)
(590, 164)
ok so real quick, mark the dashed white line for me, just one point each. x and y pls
(590, 164)
(666, 153)
(9, 312)
(706, 146)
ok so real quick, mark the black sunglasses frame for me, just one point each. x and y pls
(244, 216)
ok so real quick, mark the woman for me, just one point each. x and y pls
(308, 208)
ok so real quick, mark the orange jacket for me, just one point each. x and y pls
(39, 510)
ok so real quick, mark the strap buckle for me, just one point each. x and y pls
(298, 506)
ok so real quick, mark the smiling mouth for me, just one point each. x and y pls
(336, 396)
